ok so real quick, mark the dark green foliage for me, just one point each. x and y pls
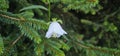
(86, 6)
(92, 27)
(4, 5)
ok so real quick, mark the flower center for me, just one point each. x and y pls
(54, 35)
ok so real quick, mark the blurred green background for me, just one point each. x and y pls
(93, 27)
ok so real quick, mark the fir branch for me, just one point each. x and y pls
(8, 17)
(100, 49)
(30, 32)
(37, 24)
(13, 43)
(28, 27)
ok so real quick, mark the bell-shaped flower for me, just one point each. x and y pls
(55, 30)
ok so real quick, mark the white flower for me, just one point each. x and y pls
(55, 30)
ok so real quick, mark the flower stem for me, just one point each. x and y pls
(49, 10)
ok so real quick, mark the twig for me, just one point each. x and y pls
(13, 43)
(11, 17)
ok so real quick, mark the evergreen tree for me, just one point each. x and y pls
(92, 27)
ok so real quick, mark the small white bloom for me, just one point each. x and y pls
(55, 30)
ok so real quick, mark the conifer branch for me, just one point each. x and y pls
(32, 22)
(10, 17)
(13, 43)
(100, 49)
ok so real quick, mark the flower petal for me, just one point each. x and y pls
(55, 28)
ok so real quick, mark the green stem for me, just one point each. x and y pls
(49, 10)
